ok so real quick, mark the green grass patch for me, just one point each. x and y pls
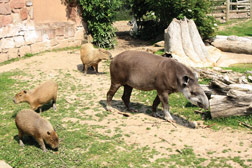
(240, 29)
(82, 145)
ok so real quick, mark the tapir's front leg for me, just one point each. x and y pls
(163, 96)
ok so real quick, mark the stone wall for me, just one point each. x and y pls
(21, 32)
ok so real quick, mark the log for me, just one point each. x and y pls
(229, 95)
(234, 44)
(235, 103)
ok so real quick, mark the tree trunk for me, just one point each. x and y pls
(183, 42)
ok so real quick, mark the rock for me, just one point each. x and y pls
(24, 50)
(19, 41)
(59, 31)
(29, 3)
(5, 20)
(13, 53)
(30, 37)
(39, 47)
(4, 1)
(24, 14)
(16, 18)
(3, 164)
(7, 43)
(5, 9)
(17, 4)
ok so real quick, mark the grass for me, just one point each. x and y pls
(240, 28)
(82, 144)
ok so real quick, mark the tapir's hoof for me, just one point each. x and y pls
(169, 119)
(109, 108)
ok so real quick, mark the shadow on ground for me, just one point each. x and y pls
(141, 108)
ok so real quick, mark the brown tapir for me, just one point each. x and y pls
(145, 71)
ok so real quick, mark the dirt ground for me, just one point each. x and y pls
(162, 135)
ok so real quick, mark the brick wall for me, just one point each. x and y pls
(21, 33)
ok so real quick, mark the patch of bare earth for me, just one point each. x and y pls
(140, 128)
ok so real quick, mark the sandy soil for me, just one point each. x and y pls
(161, 135)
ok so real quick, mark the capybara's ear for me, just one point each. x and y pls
(25, 91)
(48, 133)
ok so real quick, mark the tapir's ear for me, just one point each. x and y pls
(48, 133)
(25, 91)
(185, 80)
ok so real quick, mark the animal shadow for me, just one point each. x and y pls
(45, 107)
(30, 141)
(141, 108)
(90, 69)
(27, 140)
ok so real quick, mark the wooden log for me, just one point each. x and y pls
(234, 46)
(236, 103)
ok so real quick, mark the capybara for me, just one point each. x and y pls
(39, 96)
(145, 71)
(30, 123)
(91, 56)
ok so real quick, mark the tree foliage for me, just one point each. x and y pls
(99, 15)
(154, 16)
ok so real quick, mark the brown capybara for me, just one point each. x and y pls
(91, 56)
(30, 123)
(39, 96)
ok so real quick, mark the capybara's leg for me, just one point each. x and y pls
(163, 96)
(111, 93)
(126, 95)
(20, 136)
(156, 102)
(41, 143)
(86, 69)
(96, 69)
(54, 103)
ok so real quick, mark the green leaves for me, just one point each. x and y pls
(166, 10)
(100, 15)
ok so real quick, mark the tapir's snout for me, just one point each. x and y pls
(202, 100)
(204, 103)
(197, 97)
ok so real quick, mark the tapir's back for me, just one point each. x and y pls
(137, 69)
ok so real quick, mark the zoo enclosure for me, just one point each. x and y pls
(224, 10)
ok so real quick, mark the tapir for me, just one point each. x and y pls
(145, 71)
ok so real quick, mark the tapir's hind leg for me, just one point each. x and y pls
(111, 93)
(126, 95)
(156, 102)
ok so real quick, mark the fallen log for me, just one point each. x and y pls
(234, 103)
